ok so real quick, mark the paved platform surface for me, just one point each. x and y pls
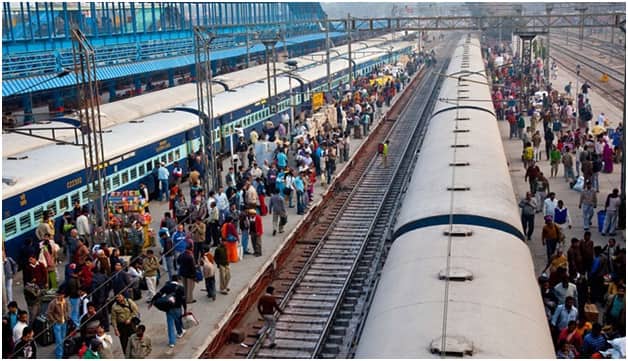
(608, 181)
(211, 314)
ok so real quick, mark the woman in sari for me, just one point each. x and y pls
(607, 157)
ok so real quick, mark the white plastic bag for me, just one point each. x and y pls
(579, 184)
(189, 320)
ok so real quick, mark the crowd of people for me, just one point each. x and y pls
(107, 274)
(583, 285)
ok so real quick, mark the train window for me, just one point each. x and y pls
(26, 221)
(125, 177)
(63, 204)
(115, 181)
(38, 214)
(10, 228)
(52, 206)
(75, 198)
(149, 166)
(85, 195)
(141, 169)
(170, 157)
(177, 154)
(163, 159)
(133, 173)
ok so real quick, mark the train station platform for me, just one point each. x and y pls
(571, 198)
(211, 314)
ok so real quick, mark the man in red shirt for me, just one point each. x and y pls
(266, 306)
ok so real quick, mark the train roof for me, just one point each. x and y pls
(125, 110)
(477, 285)
(41, 165)
(225, 103)
(153, 127)
(497, 314)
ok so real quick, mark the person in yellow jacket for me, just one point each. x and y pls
(385, 153)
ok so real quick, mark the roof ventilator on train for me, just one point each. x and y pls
(456, 346)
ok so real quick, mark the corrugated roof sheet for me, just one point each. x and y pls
(17, 86)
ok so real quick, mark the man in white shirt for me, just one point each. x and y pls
(550, 204)
(566, 289)
(82, 225)
(222, 203)
(564, 314)
(22, 321)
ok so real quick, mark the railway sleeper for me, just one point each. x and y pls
(300, 327)
(316, 285)
(298, 311)
(289, 344)
(313, 304)
(301, 319)
(331, 348)
(314, 297)
(283, 354)
(332, 273)
(337, 268)
(309, 291)
(297, 336)
(332, 281)
(338, 330)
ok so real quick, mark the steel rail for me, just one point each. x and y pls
(592, 63)
(316, 251)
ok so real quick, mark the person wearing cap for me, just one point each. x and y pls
(58, 315)
(550, 236)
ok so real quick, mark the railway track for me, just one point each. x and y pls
(591, 72)
(328, 297)
(601, 45)
(592, 63)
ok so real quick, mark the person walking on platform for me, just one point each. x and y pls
(123, 312)
(175, 294)
(162, 176)
(561, 216)
(550, 237)
(139, 345)
(58, 315)
(549, 141)
(220, 255)
(266, 306)
(278, 209)
(256, 231)
(187, 271)
(209, 274)
(588, 202)
(613, 201)
(528, 210)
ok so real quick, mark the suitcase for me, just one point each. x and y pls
(591, 312)
(71, 346)
(43, 331)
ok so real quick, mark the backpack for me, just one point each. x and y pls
(380, 148)
(165, 302)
